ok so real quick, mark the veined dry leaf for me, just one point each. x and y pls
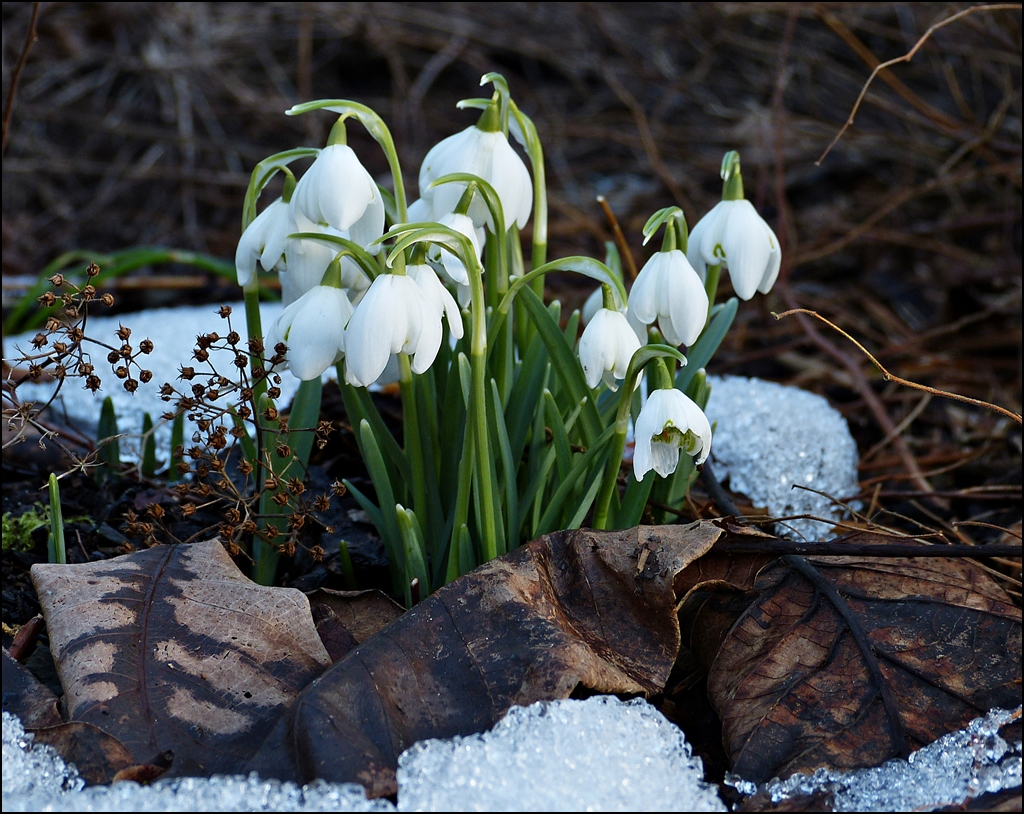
(795, 691)
(173, 648)
(345, 619)
(572, 609)
(27, 697)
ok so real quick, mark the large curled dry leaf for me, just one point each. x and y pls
(795, 690)
(573, 609)
(173, 648)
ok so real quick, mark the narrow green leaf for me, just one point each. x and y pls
(413, 548)
(178, 439)
(635, 501)
(109, 452)
(389, 531)
(56, 550)
(508, 469)
(302, 422)
(148, 466)
(549, 521)
(565, 364)
(704, 348)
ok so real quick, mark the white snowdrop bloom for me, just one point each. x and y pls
(307, 260)
(607, 345)
(735, 235)
(313, 328)
(451, 263)
(264, 240)
(669, 422)
(668, 290)
(596, 301)
(338, 191)
(394, 316)
(439, 296)
(489, 156)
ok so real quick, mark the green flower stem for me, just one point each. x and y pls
(461, 515)
(254, 328)
(56, 550)
(535, 152)
(413, 437)
(375, 126)
(711, 286)
(642, 358)
(478, 412)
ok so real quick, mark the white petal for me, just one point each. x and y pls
(594, 302)
(511, 180)
(315, 335)
(439, 296)
(771, 273)
(746, 247)
(710, 243)
(252, 243)
(665, 455)
(369, 335)
(685, 301)
(370, 226)
(419, 210)
(643, 297)
(336, 189)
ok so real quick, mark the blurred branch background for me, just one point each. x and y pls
(139, 123)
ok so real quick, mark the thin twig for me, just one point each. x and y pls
(620, 238)
(16, 75)
(892, 377)
(906, 58)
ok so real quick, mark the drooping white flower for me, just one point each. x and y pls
(668, 290)
(734, 235)
(307, 260)
(489, 156)
(439, 296)
(595, 302)
(607, 345)
(451, 263)
(394, 316)
(669, 422)
(264, 240)
(338, 191)
(313, 328)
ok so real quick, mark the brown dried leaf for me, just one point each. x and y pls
(572, 609)
(173, 648)
(97, 755)
(795, 692)
(27, 697)
(347, 618)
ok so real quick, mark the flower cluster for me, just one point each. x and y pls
(508, 436)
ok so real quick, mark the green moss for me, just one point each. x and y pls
(17, 531)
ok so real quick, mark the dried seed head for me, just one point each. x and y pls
(47, 299)
(146, 346)
(107, 300)
(131, 385)
(113, 357)
(57, 280)
(92, 270)
(225, 311)
(121, 372)
(146, 376)
(123, 333)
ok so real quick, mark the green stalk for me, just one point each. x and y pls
(711, 286)
(254, 328)
(478, 411)
(413, 437)
(55, 548)
(642, 358)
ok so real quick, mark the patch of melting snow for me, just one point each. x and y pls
(601, 754)
(957, 766)
(775, 444)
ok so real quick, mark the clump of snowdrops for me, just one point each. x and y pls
(514, 424)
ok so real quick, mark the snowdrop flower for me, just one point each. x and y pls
(338, 191)
(265, 240)
(669, 422)
(307, 260)
(487, 154)
(733, 234)
(668, 290)
(451, 263)
(438, 296)
(607, 345)
(394, 316)
(313, 329)
(595, 302)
